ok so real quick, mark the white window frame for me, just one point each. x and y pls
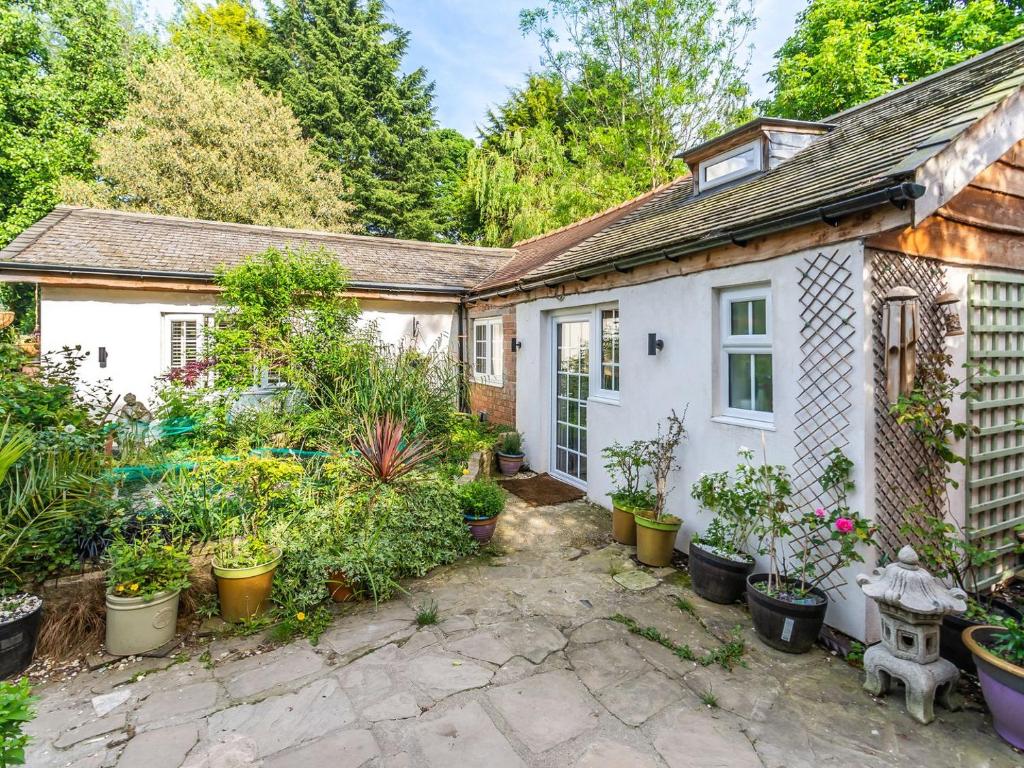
(494, 353)
(758, 165)
(751, 344)
(203, 321)
(597, 389)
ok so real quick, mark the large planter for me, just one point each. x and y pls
(136, 625)
(18, 642)
(510, 463)
(340, 588)
(244, 593)
(623, 525)
(655, 540)
(1002, 684)
(951, 643)
(787, 626)
(481, 528)
(717, 578)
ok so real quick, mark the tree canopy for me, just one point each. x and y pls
(844, 52)
(192, 147)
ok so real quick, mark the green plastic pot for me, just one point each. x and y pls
(655, 541)
(136, 625)
(244, 593)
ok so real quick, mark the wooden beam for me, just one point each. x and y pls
(997, 211)
(1001, 176)
(955, 242)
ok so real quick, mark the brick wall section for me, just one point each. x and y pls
(499, 403)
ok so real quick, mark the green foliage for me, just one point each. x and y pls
(844, 52)
(625, 465)
(16, 702)
(339, 66)
(309, 624)
(661, 453)
(511, 444)
(188, 146)
(1009, 644)
(64, 66)
(708, 699)
(146, 566)
(427, 614)
(467, 435)
(481, 499)
(726, 655)
(224, 41)
(387, 453)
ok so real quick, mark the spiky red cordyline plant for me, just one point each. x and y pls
(385, 456)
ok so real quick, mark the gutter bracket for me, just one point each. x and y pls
(832, 221)
(740, 241)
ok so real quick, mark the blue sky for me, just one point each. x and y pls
(473, 49)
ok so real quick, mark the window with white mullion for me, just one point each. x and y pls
(609, 370)
(747, 361)
(487, 351)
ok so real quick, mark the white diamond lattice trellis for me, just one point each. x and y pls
(826, 352)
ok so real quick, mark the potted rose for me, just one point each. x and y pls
(625, 466)
(788, 607)
(999, 656)
(510, 453)
(482, 502)
(145, 578)
(35, 496)
(656, 530)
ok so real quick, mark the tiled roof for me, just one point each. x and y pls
(86, 239)
(537, 251)
(872, 147)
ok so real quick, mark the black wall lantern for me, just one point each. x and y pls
(654, 344)
(516, 344)
(102, 356)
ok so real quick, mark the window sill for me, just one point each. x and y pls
(603, 399)
(737, 421)
(488, 383)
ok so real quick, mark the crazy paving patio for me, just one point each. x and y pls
(524, 668)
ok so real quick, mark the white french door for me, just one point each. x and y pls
(571, 390)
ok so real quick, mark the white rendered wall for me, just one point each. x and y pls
(130, 325)
(683, 311)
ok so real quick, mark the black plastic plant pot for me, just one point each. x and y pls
(18, 642)
(716, 578)
(787, 626)
(951, 642)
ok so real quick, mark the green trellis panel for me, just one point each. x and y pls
(995, 468)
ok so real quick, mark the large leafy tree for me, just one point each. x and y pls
(338, 63)
(225, 41)
(64, 67)
(844, 52)
(193, 147)
(624, 85)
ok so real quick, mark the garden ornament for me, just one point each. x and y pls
(912, 603)
(901, 327)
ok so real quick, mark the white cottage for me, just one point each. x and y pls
(752, 292)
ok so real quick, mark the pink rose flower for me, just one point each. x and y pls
(819, 512)
(844, 525)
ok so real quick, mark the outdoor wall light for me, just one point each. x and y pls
(947, 303)
(654, 344)
(516, 344)
(102, 357)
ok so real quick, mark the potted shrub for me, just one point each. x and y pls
(942, 545)
(788, 608)
(625, 466)
(482, 502)
(35, 497)
(244, 568)
(145, 578)
(999, 656)
(510, 453)
(655, 529)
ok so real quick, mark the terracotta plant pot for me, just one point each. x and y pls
(510, 463)
(244, 593)
(18, 642)
(482, 529)
(340, 588)
(623, 525)
(1002, 684)
(6, 318)
(717, 578)
(784, 625)
(136, 625)
(655, 541)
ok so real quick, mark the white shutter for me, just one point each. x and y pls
(183, 339)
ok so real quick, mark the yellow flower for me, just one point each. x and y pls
(134, 587)
(465, 471)
(119, 588)
(300, 616)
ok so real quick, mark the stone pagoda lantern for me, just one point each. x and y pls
(912, 603)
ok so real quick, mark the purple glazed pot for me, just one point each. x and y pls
(1002, 683)
(482, 529)
(510, 463)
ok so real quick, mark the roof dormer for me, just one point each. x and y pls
(750, 149)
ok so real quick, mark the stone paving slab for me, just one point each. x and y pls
(525, 669)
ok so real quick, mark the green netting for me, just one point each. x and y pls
(149, 471)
